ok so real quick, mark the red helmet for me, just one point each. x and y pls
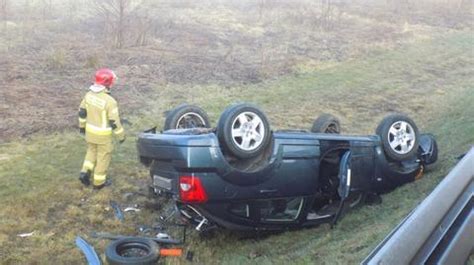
(105, 77)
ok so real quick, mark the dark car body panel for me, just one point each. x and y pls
(292, 172)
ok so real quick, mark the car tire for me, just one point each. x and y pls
(399, 135)
(186, 116)
(132, 251)
(243, 130)
(326, 123)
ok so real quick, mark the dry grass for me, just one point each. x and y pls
(367, 65)
(47, 63)
(431, 80)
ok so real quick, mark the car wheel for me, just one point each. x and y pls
(243, 130)
(186, 116)
(132, 251)
(326, 123)
(399, 135)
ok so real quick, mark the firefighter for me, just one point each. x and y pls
(98, 121)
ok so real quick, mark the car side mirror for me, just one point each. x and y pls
(428, 149)
(344, 183)
(345, 175)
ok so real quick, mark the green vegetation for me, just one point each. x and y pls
(431, 80)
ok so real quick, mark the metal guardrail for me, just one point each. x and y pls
(440, 229)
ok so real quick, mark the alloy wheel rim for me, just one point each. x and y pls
(401, 137)
(248, 131)
(190, 120)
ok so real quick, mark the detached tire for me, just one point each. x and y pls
(186, 116)
(326, 123)
(243, 130)
(400, 137)
(132, 251)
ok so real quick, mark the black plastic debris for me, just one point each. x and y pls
(117, 211)
(189, 255)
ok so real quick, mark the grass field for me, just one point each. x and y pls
(430, 79)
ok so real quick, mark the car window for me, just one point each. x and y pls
(281, 210)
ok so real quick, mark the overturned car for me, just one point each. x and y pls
(241, 175)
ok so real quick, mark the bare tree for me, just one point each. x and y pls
(326, 17)
(47, 7)
(402, 8)
(465, 6)
(261, 7)
(4, 11)
(117, 14)
(142, 26)
(4, 8)
(25, 17)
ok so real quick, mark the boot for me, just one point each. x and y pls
(106, 183)
(84, 177)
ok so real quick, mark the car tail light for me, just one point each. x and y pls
(191, 190)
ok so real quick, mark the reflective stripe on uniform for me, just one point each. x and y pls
(88, 165)
(81, 120)
(119, 131)
(104, 119)
(99, 179)
(97, 130)
(98, 102)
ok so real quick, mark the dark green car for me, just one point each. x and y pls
(243, 176)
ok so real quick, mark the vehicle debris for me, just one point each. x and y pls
(110, 236)
(168, 213)
(171, 252)
(144, 229)
(142, 250)
(132, 250)
(131, 209)
(26, 234)
(117, 211)
(189, 255)
(88, 250)
(163, 236)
